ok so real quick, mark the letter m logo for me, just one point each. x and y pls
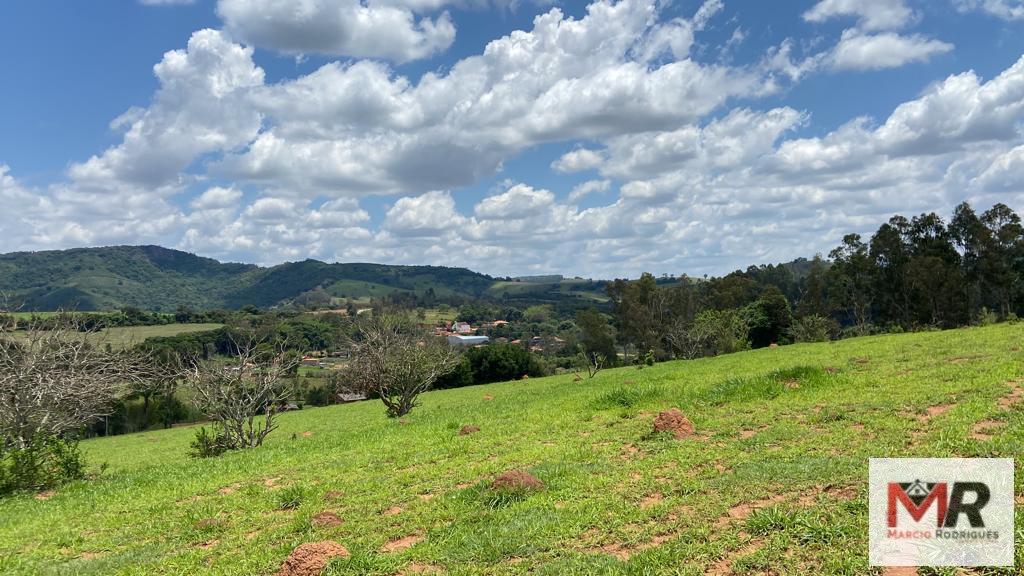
(916, 498)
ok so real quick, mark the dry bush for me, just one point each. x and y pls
(234, 393)
(59, 380)
(397, 362)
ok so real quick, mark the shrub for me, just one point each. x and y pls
(45, 462)
(320, 396)
(210, 445)
(290, 497)
(813, 328)
(493, 363)
(987, 317)
(627, 397)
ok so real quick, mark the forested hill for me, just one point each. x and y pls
(160, 279)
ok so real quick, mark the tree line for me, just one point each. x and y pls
(912, 273)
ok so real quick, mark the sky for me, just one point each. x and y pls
(512, 137)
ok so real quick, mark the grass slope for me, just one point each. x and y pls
(775, 479)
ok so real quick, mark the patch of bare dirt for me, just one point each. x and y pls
(45, 495)
(325, 520)
(208, 544)
(402, 543)
(724, 566)
(1014, 397)
(791, 383)
(748, 434)
(91, 555)
(488, 397)
(425, 497)
(743, 510)
(899, 571)
(463, 485)
(271, 482)
(392, 511)
(624, 552)
(208, 523)
(311, 558)
(468, 429)
(307, 434)
(629, 451)
(651, 500)
(673, 421)
(986, 429)
(933, 411)
(333, 494)
(230, 489)
(516, 480)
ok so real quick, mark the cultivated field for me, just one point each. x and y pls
(132, 335)
(772, 482)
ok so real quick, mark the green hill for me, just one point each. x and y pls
(159, 279)
(773, 480)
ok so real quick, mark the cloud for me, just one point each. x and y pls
(359, 129)
(871, 14)
(584, 189)
(199, 108)
(857, 51)
(696, 166)
(372, 29)
(1005, 9)
(425, 215)
(578, 160)
(519, 201)
(217, 197)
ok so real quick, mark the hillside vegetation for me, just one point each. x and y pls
(160, 279)
(773, 478)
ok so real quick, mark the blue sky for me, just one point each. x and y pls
(507, 136)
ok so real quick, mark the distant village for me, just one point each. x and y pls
(464, 334)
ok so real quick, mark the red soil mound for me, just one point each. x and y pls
(326, 519)
(311, 558)
(516, 480)
(673, 421)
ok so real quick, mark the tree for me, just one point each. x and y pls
(969, 236)
(712, 332)
(890, 255)
(597, 337)
(814, 296)
(1002, 256)
(234, 394)
(56, 381)
(770, 318)
(393, 360)
(851, 280)
(640, 308)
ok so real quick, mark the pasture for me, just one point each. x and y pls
(772, 480)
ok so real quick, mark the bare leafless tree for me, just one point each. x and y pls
(593, 362)
(395, 361)
(60, 379)
(234, 393)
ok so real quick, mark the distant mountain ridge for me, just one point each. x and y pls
(161, 279)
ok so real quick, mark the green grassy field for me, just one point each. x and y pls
(129, 335)
(773, 482)
(566, 287)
